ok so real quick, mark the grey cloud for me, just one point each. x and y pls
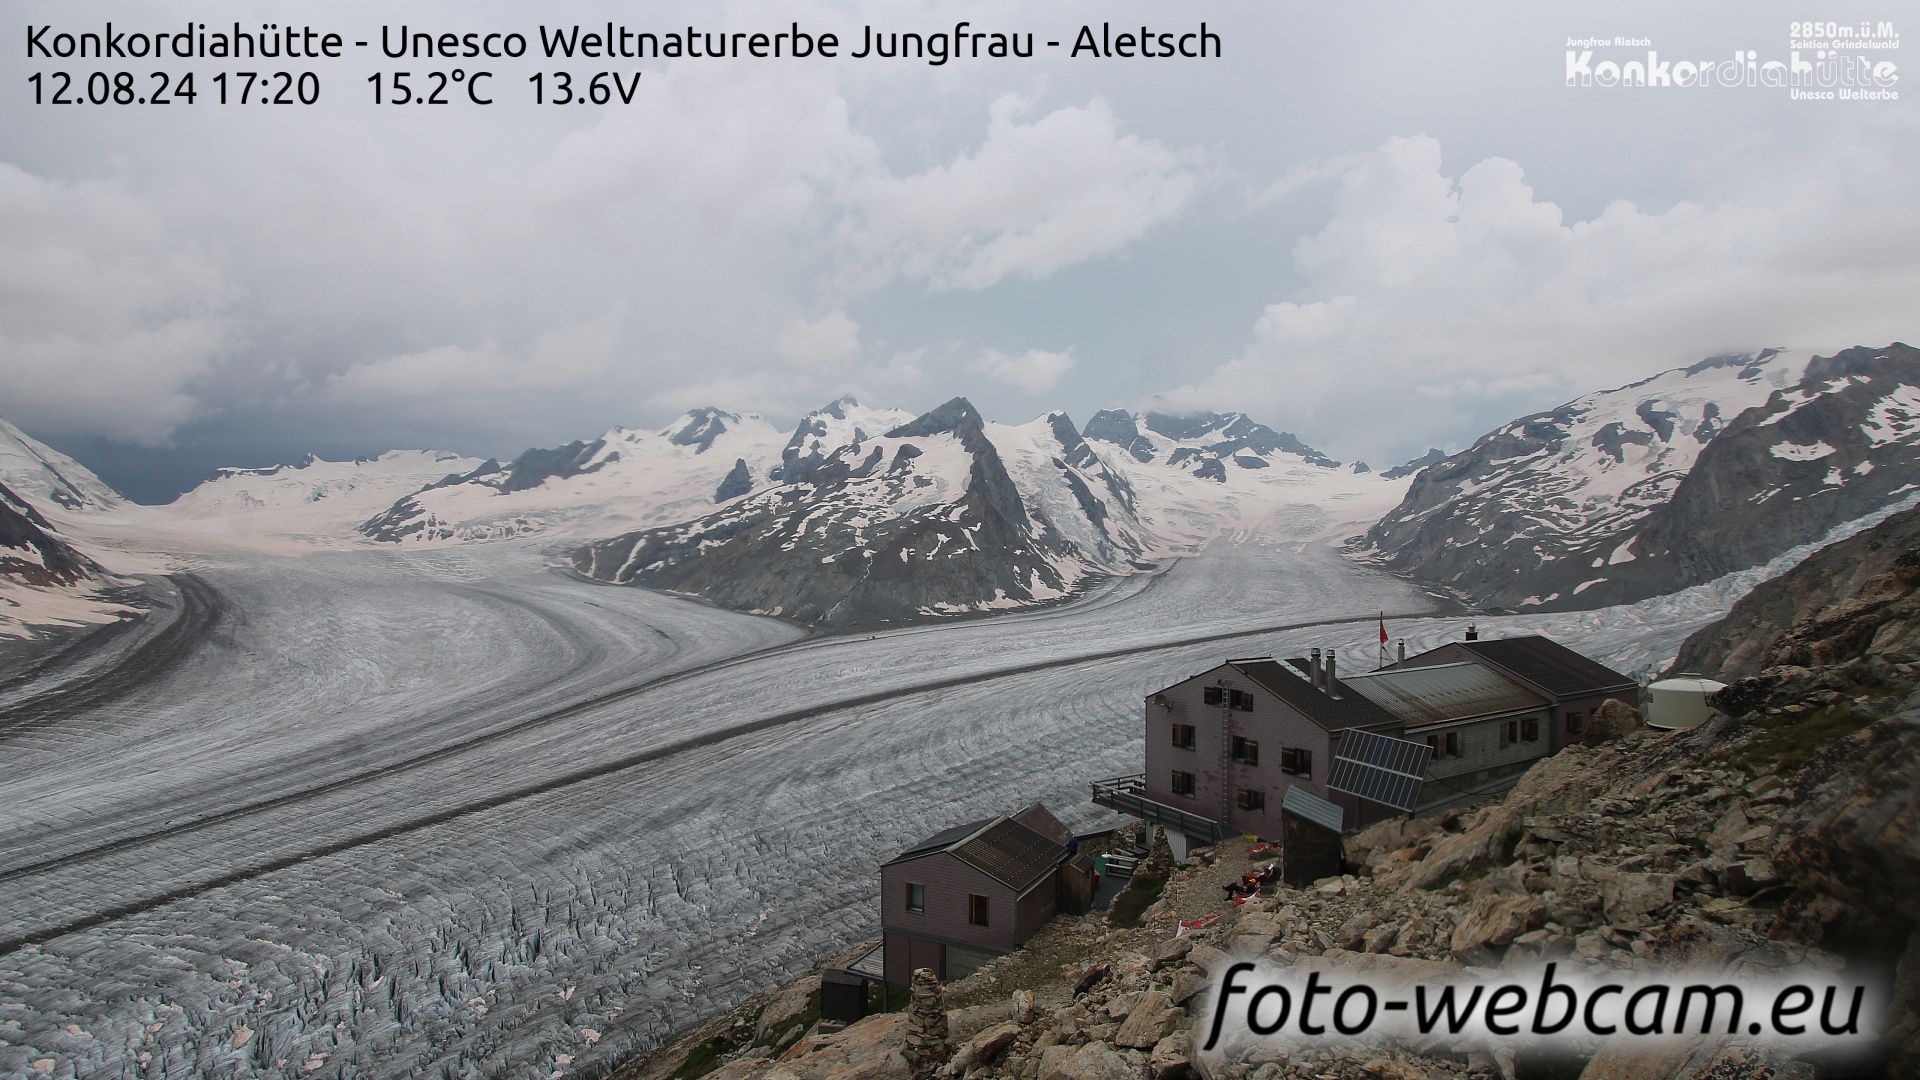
(1381, 226)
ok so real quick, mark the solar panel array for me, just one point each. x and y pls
(1306, 804)
(1380, 769)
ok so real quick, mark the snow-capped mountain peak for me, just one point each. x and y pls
(700, 427)
(877, 518)
(1663, 483)
(315, 497)
(49, 479)
(1207, 444)
(840, 423)
(920, 518)
(626, 477)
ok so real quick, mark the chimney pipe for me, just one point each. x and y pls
(1403, 648)
(1330, 688)
(1473, 632)
(1314, 671)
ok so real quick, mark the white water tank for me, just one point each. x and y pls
(1680, 702)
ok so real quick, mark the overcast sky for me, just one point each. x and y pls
(1383, 228)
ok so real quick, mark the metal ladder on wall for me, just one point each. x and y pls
(1226, 757)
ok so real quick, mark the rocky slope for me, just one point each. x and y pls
(50, 578)
(1783, 836)
(30, 551)
(1665, 483)
(1842, 443)
(1861, 585)
(922, 520)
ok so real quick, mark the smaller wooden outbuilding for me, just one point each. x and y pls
(970, 893)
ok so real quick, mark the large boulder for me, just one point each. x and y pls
(867, 1050)
(1614, 719)
(1094, 1061)
(1172, 1059)
(1151, 1019)
(1376, 841)
(1629, 899)
(1494, 922)
(787, 1010)
(984, 1048)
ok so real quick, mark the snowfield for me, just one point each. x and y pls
(453, 813)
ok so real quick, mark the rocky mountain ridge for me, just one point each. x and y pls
(623, 477)
(1206, 444)
(1039, 510)
(1662, 484)
(920, 520)
(31, 551)
(48, 576)
(872, 517)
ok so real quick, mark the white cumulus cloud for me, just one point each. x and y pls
(1041, 193)
(831, 341)
(1035, 371)
(1431, 299)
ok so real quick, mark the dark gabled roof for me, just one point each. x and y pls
(943, 839)
(1011, 854)
(1037, 817)
(1437, 693)
(1549, 665)
(1346, 708)
(1001, 848)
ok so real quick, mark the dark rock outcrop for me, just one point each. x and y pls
(737, 483)
(701, 428)
(535, 467)
(1222, 438)
(1119, 428)
(1433, 456)
(30, 550)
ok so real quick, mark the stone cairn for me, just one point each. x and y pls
(928, 1045)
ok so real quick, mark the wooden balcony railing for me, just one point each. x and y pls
(1128, 794)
